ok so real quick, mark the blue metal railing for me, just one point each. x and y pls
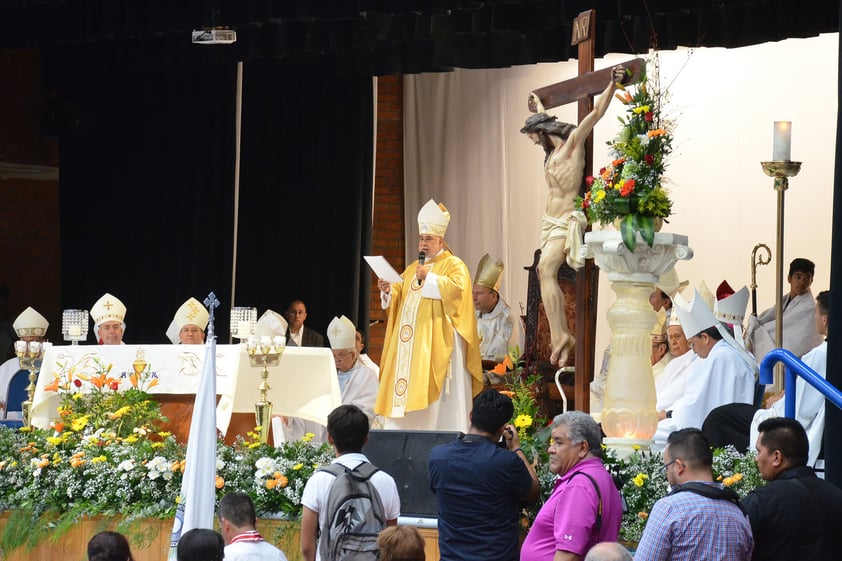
(794, 367)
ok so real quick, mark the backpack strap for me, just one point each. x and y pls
(711, 492)
(598, 497)
(362, 472)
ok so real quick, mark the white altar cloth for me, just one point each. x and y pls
(304, 384)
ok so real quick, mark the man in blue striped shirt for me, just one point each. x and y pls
(699, 519)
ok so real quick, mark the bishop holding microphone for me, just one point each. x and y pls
(430, 368)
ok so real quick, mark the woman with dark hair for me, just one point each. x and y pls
(200, 544)
(109, 546)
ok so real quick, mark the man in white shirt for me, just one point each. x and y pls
(347, 429)
(799, 331)
(297, 334)
(237, 524)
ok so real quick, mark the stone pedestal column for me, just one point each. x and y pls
(629, 418)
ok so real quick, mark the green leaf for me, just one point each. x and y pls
(628, 231)
(646, 227)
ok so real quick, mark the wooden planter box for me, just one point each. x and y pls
(149, 540)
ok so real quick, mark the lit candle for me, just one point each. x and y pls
(74, 330)
(243, 329)
(782, 140)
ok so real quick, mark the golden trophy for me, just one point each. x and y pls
(264, 351)
(30, 354)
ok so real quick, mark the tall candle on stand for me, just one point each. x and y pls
(782, 141)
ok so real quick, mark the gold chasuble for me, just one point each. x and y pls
(423, 334)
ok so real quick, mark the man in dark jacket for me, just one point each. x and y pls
(796, 515)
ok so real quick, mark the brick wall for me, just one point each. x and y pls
(388, 232)
(29, 209)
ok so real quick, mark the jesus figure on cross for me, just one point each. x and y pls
(562, 225)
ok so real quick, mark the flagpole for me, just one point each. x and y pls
(238, 121)
(195, 504)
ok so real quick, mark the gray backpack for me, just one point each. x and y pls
(354, 515)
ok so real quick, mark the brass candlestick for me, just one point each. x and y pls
(781, 171)
(29, 354)
(264, 352)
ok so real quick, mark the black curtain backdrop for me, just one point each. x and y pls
(833, 415)
(306, 195)
(147, 186)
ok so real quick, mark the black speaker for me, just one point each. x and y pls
(405, 455)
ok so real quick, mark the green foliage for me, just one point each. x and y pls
(107, 457)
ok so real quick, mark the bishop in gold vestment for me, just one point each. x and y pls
(430, 367)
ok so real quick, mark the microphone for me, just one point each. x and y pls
(421, 257)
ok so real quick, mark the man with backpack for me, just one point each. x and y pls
(699, 519)
(349, 502)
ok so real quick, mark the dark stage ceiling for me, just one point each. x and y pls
(379, 37)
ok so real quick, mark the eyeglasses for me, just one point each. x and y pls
(666, 466)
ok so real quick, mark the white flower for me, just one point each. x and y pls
(126, 465)
(159, 467)
(265, 467)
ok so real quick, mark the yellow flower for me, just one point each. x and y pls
(641, 109)
(98, 459)
(738, 477)
(77, 396)
(307, 437)
(297, 467)
(156, 445)
(728, 481)
(599, 196)
(119, 412)
(640, 479)
(79, 423)
(54, 440)
(523, 421)
(164, 434)
(635, 447)
(131, 439)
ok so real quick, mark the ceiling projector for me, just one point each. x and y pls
(215, 36)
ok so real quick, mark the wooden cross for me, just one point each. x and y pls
(582, 89)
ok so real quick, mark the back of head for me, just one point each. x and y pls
(109, 546)
(788, 436)
(608, 551)
(801, 265)
(692, 447)
(348, 427)
(201, 544)
(581, 428)
(401, 543)
(491, 411)
(823, 303)
(238, 509)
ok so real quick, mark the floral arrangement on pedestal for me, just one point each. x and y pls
(629, 190)
(107, 456)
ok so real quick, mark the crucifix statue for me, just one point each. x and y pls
(568, 153)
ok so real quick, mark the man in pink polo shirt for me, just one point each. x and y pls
(585, 507)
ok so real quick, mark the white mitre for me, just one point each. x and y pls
(108, 308)
(271, 324)
(30, 324)
(342, 333)
(192, 312)
(433, 219)
(696, 317)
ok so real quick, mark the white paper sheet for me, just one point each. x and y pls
(382, 268)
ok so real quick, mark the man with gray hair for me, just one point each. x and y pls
(608, 551)
(585, 507)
